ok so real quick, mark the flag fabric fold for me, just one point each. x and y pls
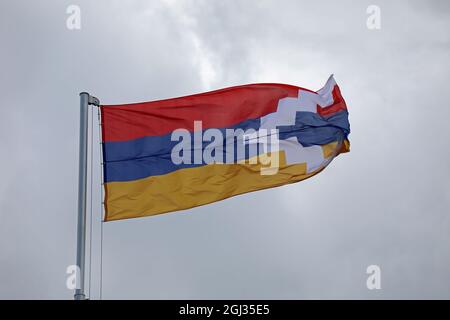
(179, 153)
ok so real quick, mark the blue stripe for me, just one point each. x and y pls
(151, 156)
(313, 129)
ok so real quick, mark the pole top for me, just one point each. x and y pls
(91, 99)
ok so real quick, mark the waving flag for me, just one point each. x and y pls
(175, 154)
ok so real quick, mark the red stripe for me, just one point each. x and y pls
(216, 109)
(338, 104)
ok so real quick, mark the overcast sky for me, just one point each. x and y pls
(384, 203)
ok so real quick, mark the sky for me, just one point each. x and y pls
(385, 203)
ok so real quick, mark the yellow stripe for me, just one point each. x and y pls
(192, 187)
(329, 149)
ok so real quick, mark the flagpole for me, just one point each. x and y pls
(85, 101)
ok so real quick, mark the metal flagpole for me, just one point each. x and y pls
(85, 101)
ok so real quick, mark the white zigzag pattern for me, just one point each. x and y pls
(285, 115)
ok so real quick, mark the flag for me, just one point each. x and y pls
(175, 154)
